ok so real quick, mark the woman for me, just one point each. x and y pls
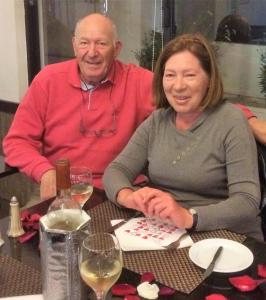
(198, 150)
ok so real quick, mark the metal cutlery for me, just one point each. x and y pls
(211, 266)
(176, 243)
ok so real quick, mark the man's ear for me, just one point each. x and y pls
(118, 47)
(74, 45)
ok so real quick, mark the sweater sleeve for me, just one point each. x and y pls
(240, 210)
(122, 172)
(22, 145)
(246, 111)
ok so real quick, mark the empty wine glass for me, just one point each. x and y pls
(81, 184)
(100, 262)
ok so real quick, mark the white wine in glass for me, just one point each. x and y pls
(100, 262)
(81, 184)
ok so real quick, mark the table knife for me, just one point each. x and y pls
(210, 267)
(114, 227)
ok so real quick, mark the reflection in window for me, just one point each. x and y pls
(145, 25)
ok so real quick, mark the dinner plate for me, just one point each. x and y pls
(234, 257)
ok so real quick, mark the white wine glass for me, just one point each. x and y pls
(81, 184)
(100, 262)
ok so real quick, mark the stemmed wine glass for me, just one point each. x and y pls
(81, 184)
(100, 262)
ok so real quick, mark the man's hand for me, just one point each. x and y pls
(48, 185)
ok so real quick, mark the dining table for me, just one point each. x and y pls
(6, 170)
(20, 264)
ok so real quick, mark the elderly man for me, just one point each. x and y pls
(84, 109)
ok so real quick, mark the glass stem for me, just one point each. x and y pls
(100, 295)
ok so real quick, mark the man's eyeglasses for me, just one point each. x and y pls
(94, 124)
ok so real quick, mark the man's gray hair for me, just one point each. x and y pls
(114, 29)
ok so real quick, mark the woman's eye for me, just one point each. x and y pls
(168, 75)
(190, 75)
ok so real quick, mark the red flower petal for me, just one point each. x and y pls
(216, 297)
(27, 236)
(131, 297)
(243, 283)
(147, 276)
(123, 289)
(166, 291)
(262, 270)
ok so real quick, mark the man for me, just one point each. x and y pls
(84, 109)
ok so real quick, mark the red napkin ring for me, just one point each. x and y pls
(30, 224)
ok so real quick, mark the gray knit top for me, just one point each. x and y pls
(211, 167)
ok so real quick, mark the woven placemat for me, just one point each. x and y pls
(17, 279)
(171, 268)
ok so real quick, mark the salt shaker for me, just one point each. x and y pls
(1, 240)
(15, 228)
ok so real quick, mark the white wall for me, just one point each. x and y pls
(13, 55)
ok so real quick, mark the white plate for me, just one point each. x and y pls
(234, 257)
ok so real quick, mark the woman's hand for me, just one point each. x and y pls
(138, 199)
(164, 206)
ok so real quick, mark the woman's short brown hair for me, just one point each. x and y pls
(196, 44)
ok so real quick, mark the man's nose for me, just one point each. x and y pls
(92, 49)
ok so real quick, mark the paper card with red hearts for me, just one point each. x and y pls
(152, 228)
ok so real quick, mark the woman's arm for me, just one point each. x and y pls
(240, 210)
(121, 172)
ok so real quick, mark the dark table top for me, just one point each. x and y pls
(217, 283)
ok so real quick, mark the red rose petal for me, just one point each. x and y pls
(123, 289)
(27, 236)
(131, 297)
(166, 291)
(147, 276)
(216, 297)
(243, 283)
(262, 270)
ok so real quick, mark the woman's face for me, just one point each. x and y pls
(185, 82)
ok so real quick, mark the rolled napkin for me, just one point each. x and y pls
(148, 234)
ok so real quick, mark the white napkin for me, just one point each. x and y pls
(135, 235)
(28, 297)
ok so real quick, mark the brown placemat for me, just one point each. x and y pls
(171, 268)
(17, 279)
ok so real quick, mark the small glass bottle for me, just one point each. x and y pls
(64, 213)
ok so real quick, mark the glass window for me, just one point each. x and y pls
(237, 27)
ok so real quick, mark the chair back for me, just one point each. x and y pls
(262, 175)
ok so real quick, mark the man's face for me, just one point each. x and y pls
(95, 48)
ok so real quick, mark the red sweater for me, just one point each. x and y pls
(57, 119)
